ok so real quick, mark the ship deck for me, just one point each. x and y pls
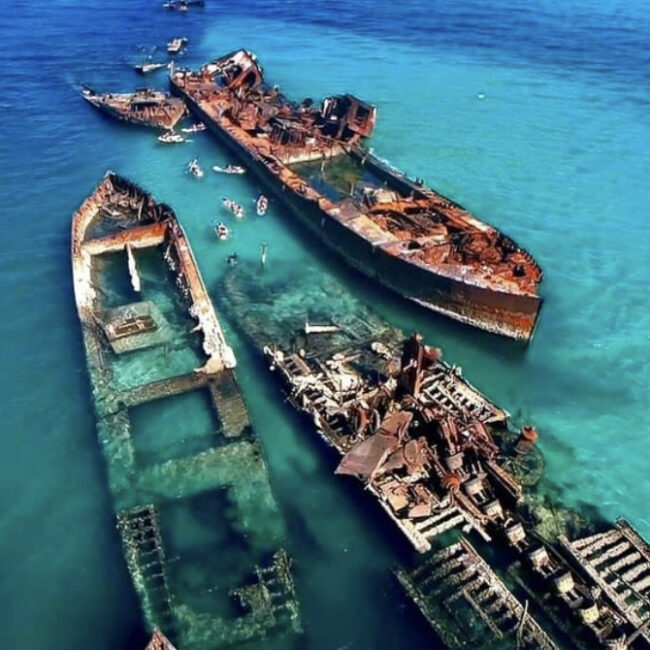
(380, 205)
(146, 107)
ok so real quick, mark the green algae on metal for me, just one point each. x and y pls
(196, 511)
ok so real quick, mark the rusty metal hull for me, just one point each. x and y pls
(499, 312)
(168, 121)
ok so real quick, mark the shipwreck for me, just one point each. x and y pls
(441, 460)
(186, 471)
(145, 107)
(434, 451)
(409, 237)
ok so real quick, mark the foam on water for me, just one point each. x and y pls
(555, 154)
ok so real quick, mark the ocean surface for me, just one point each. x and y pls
(532, 115)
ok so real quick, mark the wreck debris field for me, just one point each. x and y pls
(137, 493)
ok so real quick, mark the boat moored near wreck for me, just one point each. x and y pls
(176, 45)
(411, 238)
(149, 66)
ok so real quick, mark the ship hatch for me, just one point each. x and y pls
(338, 177)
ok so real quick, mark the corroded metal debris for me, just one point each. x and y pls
(152, 337)
(457, 584)
(145, 107)
(438, 456)
(425, 442)
(409, 237)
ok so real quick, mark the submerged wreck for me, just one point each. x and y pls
(489, 616)
(202, 535)
(440, 459)
(145, 107)
(409, 237)
(433, 450)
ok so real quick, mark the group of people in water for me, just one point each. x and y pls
(172, 137)
(193, 167)
(237, 209)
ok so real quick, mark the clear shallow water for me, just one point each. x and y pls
(556, 155)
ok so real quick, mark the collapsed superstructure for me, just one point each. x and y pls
(426, 443)
(439, 458)
(411, 238)
(420, 441)
(145, 107)
(186, 471)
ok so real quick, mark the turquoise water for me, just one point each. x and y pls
(555, 154)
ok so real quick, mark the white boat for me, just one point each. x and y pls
(144, 68)
(183, 5)
(222, 230)
(234, 207)
(262, 205)
(170, 137)
(195, 128)
(176, 45)
(195, 169)
(229, 169)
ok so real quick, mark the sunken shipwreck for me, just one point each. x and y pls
(151, 338)
(445, 465)
(495, 564)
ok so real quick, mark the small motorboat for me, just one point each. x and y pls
(195, 169)
(176, 45)
(183, 5)
(146, 68)
(195, 128)
(262, 205)
(171, 137)
(229, 169)
(222, 230)
(234, 207)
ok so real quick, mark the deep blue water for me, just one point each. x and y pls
(556, 155)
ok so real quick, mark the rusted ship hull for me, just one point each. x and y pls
(154, 345)
(165, 115)
(499, 311)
